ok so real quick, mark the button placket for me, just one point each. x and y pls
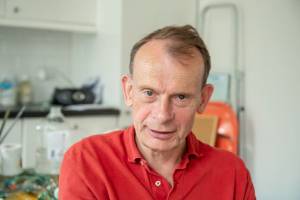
(157, 183)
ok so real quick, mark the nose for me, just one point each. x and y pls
(164, 112)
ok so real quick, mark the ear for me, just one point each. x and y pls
(206, 93)
(127, 89)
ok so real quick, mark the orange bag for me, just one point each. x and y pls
(227, 130)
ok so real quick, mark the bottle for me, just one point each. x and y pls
(54, 139)
(8, 92)
(25, 93)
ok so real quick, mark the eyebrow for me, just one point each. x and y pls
(144, 87)
(185, 93)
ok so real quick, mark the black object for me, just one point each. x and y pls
(72, 96)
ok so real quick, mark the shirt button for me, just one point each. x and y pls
(157, 183)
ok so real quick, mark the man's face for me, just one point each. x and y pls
(164, 94)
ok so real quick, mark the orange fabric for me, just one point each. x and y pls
(111, 167)
(228, 130)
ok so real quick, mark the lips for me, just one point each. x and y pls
(161, 135)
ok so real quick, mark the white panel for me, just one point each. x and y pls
(143, 17)
(65, 15)
(272, 32)
(93, 125)
(77, 11)
(31, 140)
(2, 7)
(32, 9)
(219, 36)
(273, 133)
(272, 88)
(14, 135)
(272, 49)
(219, 26)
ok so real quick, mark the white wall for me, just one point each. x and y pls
(78, 56)
(272, 43)
(139, 18)
(25, 51)
(271, 30)
(82, 56)
(101, 54)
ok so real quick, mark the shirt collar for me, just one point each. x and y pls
(194, 149)
(129, 140)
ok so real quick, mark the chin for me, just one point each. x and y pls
(160, 146)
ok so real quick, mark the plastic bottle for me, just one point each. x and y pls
(54, 139)
(8, 92)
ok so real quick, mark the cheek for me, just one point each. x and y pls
(185, 118)
(140, 111)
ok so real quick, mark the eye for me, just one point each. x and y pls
(149, 93)
(182, 100)
(181, 97)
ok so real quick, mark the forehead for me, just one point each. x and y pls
(154, 64)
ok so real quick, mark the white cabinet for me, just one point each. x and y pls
(93, 125)
(15, 135)
(69, 15)
(30, 141)
(31, 10)
(80, 127)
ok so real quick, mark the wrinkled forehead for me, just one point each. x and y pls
(155, 61)
(163, 53)
(177, 49)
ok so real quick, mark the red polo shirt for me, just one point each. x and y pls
(110, 166)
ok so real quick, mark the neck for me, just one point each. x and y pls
(166, 157)
(163, 162)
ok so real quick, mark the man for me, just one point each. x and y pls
(158, 157)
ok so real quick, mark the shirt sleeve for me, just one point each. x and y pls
(244, 189)
(249, 192)
(71, 181)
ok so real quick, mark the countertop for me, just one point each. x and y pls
(82, 110)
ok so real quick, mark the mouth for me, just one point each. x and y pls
(161, 135)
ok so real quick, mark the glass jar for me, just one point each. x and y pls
(54, 140)
(25, 92)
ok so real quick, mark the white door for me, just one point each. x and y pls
(32, 9)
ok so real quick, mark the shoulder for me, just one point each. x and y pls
(96, 145)
(222, 159)
(85, 164)
(231, 168)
